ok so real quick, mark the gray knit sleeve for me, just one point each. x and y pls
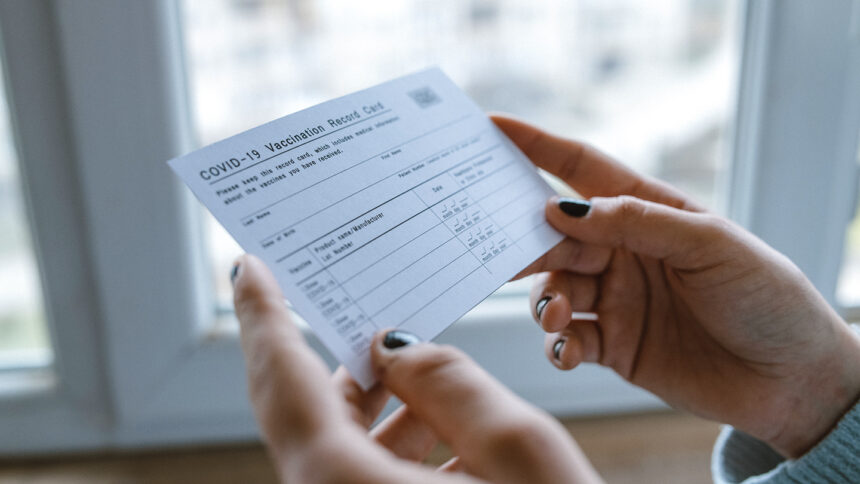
(740, 458)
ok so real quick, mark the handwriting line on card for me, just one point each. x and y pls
(442, 214)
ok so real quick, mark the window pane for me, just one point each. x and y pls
(848, 287)
(650, 82)
(24, 340)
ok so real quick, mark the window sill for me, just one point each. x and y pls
(26, 383)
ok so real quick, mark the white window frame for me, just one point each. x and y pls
(98, 101)
(795, 174)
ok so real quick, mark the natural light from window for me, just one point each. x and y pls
(652, 83)
(848, 287)
(24, 341)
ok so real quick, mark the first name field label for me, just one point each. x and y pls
(401, 205)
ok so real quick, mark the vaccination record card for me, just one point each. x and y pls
(401, 205)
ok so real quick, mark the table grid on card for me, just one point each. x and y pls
(463, 228)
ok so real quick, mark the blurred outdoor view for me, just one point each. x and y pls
(23, 335)
(652, 83)
(848, 287)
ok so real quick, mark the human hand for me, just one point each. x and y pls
(316, 425)
(690, 306)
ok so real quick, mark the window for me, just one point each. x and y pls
(848, 288)
(797, 138)
(651, 82)
(102, 93)
(24, 339)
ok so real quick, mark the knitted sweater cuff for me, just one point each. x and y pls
(740, 458)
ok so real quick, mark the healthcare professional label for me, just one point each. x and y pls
(401, 206)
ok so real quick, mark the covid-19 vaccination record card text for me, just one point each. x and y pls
(401, 205)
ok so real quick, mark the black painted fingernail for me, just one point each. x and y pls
(556, 349)
(397, 339)
(539, 307)
(574, 207)
(234, 272)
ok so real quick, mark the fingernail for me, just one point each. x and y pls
(539, 307)
(556, 349)
(234, 272)
(397, 339)
(574, 207)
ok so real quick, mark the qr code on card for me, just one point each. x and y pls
(424, 97)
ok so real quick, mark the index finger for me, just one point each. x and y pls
(290, 386)
(587, 170)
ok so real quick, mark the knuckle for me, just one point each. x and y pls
(718, 224)
(261, 364)
(569, 168)
(629, 209)
(714, 229)
(628, 212)
(254, 302)
(575, 252)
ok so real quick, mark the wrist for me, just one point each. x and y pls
(818, 400)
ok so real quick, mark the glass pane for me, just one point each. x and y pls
(649, 82)
(24, 340)
(848, 286)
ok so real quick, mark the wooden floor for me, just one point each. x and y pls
(663, 447)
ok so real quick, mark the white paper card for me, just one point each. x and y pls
(401, 205)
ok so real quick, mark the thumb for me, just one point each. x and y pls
(496, 435)
(675, 236)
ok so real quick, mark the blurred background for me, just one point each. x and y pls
(651, 83)
(677, 89)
